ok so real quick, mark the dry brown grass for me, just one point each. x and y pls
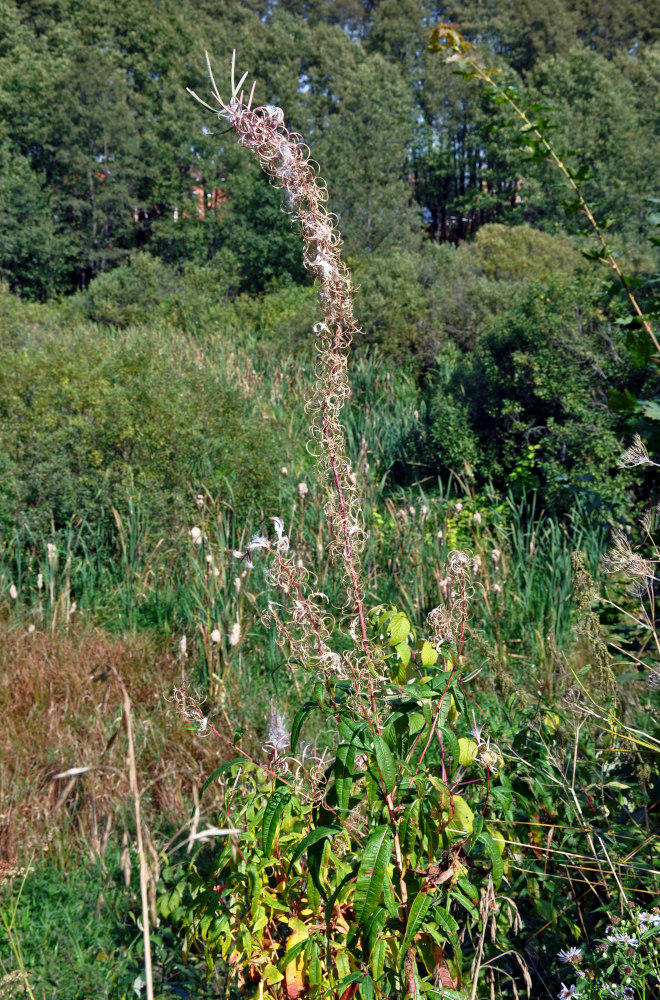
(56, 717)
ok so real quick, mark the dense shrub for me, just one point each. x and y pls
(417, 302)
(531, 399)
(87, 414)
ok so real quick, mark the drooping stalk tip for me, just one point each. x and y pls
(285, 158)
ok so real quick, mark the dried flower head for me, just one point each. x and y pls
(636, 454)
(235, 634)
(623, 559)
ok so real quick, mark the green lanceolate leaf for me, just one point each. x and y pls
(272, 816)
(410, 827)
(494, 855)
(330, 905)
(344, 764)
(320, 833)
(377, 960)
(444, 920)
(416, 916)
(385, 763)
(372, 929)
(221, 770)
(371, 873)
(301, 715)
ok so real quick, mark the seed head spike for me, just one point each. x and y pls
(216, 92)
(203, 103)
(238, 87)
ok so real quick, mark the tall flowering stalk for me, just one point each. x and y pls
(285, 158)
(351, 854)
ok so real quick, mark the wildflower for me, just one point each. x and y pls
(279, 736)
(636, 454)
(13, 593)
(282, 540)
(196, 535)
(628, 993)
(256, 543)
(302, 489)
(568, 993)
(215, 636)
(572, 955)
(630, 940)
(235, 634)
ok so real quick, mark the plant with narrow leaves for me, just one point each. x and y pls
(354, 860)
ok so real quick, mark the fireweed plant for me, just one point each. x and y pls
(365, 859)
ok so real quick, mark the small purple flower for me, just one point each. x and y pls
(568, 993)
(572, 955)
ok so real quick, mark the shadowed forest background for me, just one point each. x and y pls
(155, 354)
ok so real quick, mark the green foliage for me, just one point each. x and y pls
(533, 395)
(75, 923)
(320, 889)
(88, 415)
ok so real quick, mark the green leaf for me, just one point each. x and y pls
(315, 969)
(367, 988)
(399, 628)
(429, 654)
(451, 743)
(415, 723)
(301, 715)
(385, 763)
(495, 857)
(416, 916)
(344, 765)
(403, 652)
(371, 873)
(330, 905)
(373, 927)
(221, 770)
(377, 960)
(410, 827)
(320, 833)
(272, 816)
(444, 919)
(295, 952)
